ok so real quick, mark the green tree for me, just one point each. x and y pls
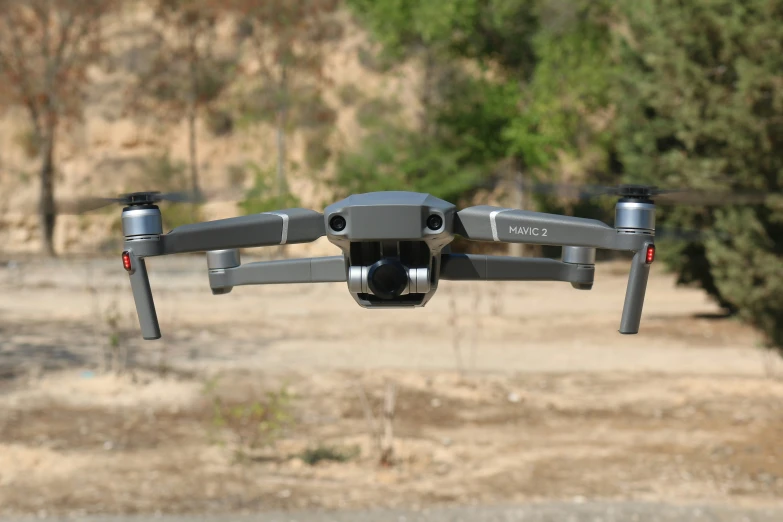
(700, 104)
(516, 82)
(286, 39)
(184, 76)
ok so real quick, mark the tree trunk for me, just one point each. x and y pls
(47, 211)
(282, 116)
(192, 109)
(194, 184)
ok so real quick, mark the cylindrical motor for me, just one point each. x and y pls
(222, 259)
(584, 256)
(141, 221)
(630, 214)
(578, 255)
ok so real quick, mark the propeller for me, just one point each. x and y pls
(663, 196)
(132, 199)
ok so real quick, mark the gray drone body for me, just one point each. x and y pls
(395, 248)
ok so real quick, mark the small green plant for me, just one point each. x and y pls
(250, 425)
(313, 456)
(28, 141)
(263, 197)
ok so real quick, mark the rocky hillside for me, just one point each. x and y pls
(117, 148)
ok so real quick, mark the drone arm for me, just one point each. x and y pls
(282, 227)
(476, 267)
(142, 296)
(310, 270)
(486, 223)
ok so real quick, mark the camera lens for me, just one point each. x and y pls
(434, 222)
(387, 278)
(337, 223)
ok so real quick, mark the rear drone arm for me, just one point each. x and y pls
(635, 224)
(143, 231)
(479, 267)
(226, 272)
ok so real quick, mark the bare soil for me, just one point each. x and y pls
(505, 393)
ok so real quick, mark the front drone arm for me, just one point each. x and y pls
(486, 223)
(142, 228)
(281, 227)
(635, 224)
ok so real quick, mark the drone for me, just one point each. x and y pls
(396, 247)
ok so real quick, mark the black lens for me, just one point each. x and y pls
(337, 223)
(387, 278)
(434, 222)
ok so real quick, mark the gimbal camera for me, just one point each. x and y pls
(395, 247)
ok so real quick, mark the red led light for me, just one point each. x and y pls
(126, 261)
(650, 254)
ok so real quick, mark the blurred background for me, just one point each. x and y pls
(291, 398)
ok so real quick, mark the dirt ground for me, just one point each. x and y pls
(504, 393)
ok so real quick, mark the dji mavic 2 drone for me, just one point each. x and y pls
(395, 247)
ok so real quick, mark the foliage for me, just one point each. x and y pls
(703, 109)
(250, 425)
(170, 176)
(392, 157)
(542, 72)
(287, 40)
(262, 197)
(320, 453)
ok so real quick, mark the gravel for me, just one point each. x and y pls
(548, 512)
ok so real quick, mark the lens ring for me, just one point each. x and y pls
(434, 222)
(337, 223)
(387, 278)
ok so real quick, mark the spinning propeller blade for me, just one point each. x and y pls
(89, 204)
(662, 196)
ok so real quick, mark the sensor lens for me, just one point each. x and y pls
(337, 223)
(434, 222)
(387, 278)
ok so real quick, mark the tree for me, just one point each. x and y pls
(286, 38)
(519, 80)
(46, 47)
(700, 105)
(185, 76)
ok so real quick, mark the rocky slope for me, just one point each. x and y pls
(111, 149)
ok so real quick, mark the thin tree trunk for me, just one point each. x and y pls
(48, 215)
(192, 109)
(282, 116)
(194, 184)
